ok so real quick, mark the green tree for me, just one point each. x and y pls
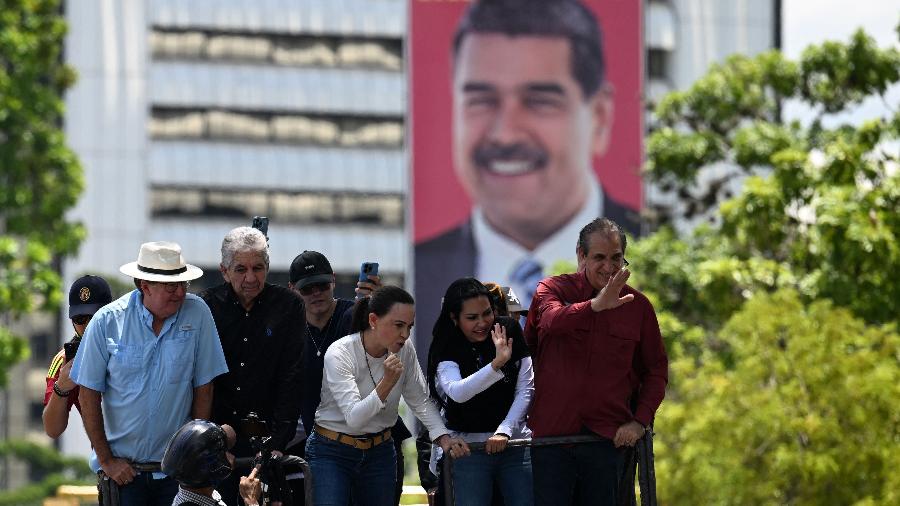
(780, 315)
(818, 210)
(804, 412)
(40, 178)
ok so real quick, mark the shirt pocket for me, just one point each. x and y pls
(621, 345)
(178, 356)
(125, 366)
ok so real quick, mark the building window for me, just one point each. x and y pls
(304, 207)
(277, 49)
(262, 126)
(658, 64)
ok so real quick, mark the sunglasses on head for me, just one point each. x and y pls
(315, 288)
(81, 319)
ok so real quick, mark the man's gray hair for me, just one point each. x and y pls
(242, 240)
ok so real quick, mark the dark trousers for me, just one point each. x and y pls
(145, 491)
(583, 474)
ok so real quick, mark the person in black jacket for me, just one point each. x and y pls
(480, 372)
(261, 327)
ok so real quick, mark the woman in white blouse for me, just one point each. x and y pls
(349, 451)
(480, 372)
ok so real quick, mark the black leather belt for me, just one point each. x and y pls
(146, 467)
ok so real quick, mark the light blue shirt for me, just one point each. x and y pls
(147, 381)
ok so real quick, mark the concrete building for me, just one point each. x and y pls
(683, 38)
(190, 117)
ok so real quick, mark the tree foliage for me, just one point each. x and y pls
(40, 178)
(57, 470)
(781, 315)
(803, 412)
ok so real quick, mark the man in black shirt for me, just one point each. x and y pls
(261, 327)
(327, 320)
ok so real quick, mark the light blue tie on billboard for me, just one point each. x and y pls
(527, 274)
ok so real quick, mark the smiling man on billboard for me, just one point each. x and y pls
(532, 110)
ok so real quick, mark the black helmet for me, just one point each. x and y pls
(195, 455)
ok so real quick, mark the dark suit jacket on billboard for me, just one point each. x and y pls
(453, 255)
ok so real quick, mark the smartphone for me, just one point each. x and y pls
(368, 269)
(261, 223)
(71, 348)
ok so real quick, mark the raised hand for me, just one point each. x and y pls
(364, 288)
(250, 487)
(503, 345)
(608, 298)
(393, 368)
(64, 381)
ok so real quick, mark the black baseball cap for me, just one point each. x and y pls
(87, 295)
(310, 267)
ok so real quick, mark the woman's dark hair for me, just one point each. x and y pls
(445, 330)
(379, 302)
(497, 299)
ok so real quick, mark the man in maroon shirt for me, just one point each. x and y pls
(597, 352)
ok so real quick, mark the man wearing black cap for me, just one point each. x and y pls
(327, 320)
(86, 296)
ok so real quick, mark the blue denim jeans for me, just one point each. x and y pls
(341, 472)
(146, 491)
(583, 474)
(474, 477)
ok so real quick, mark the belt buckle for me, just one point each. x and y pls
(364, 443)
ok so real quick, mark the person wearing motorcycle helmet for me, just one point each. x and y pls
(196, 458)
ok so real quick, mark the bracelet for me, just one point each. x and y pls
(61, 393)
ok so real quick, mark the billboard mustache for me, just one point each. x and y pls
(485, 155)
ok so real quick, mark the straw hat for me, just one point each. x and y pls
(161, 261)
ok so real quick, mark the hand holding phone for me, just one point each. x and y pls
(261, 223)
(368, 269)
(365, 285)
(70, 348)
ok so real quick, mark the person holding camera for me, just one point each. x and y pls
(350, 450)
(261, 329)
(86, 295)
(479, 371)
(196, 458)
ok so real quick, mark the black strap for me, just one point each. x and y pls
(161, 271)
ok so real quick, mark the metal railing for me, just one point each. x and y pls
(641, 457)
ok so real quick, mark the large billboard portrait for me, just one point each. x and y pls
(525, 125)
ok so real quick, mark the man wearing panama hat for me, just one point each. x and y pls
(152, 354)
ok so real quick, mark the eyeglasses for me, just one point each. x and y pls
(315, 288)
(82, 319)
(173, 286)
(625, 262)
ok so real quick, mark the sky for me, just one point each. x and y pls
(808, 22)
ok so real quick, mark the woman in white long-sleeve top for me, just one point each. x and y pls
(480, 372)
(365, 375)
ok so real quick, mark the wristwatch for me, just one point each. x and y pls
(61, 393)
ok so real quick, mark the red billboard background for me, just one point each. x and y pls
(439, 202)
